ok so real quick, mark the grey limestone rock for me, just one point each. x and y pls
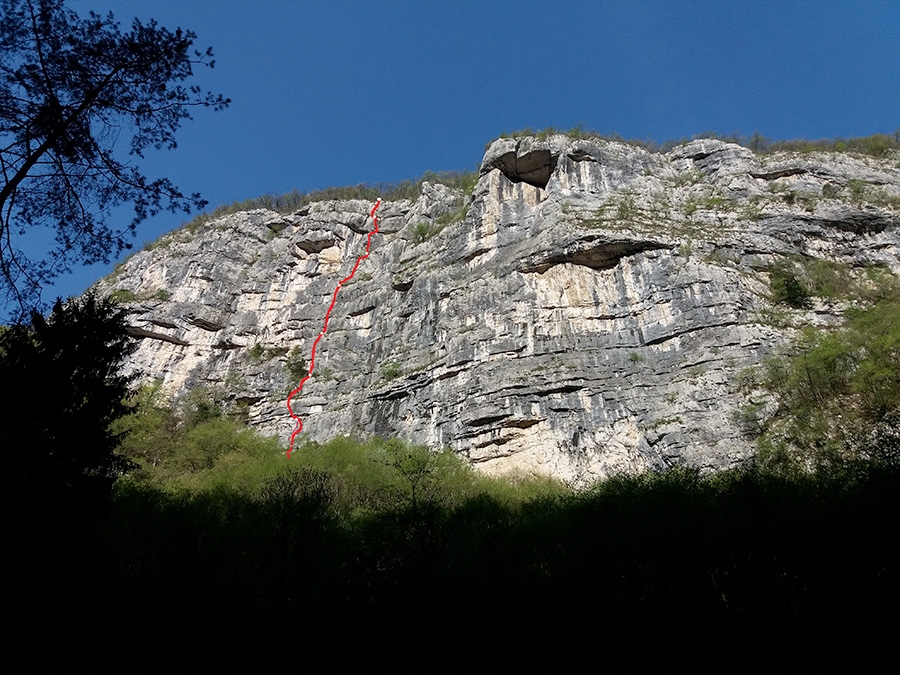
(584, 312)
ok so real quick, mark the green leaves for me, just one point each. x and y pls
(786, 287)
(840, 388)
(391, 370)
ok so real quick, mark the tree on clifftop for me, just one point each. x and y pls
(68, 87)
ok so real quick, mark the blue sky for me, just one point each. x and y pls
(340, 92)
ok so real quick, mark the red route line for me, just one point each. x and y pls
(312, 358)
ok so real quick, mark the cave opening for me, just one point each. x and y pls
(534, 168)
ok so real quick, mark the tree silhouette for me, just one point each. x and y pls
(68, 88)
(62, 389)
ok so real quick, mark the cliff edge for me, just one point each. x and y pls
(584, 311)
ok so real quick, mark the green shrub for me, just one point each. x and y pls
(452, 217)
(391, 370)
(876, 145)
(722, 257)
(122, 295)
(199, 405)
(274, 353)
(296, 364)
(838, 394)
(717, 203)
(256, 353)
(786, 287)
(827, 279)
(259, 354)
(423, 232)
(626, 210)
(196, 441)
(459, 180)
(858, 190)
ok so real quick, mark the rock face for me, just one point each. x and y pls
(584, 311)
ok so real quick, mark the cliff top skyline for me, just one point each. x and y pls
(328, 94)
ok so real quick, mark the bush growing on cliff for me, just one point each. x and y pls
(423, 231)
(838, 394)
(787, 287)
(391, 371)
(296, 364)
(122, 295)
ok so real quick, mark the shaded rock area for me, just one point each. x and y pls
(585, 311)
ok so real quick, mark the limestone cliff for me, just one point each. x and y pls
(584, 311)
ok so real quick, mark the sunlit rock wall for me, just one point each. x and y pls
(584, 311)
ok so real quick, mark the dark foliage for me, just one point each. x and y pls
(744, 567)
(787, 287)
(69, 87)
(62, 390)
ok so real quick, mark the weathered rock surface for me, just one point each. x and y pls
(585, 312)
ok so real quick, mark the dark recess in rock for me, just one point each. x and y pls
(143, 332)
(581, 156)
(472, 255)
(315, 245)
(226, 345)
(781, 173)
(534, 168)
(563, 389)
(601, 257)
(361, 311)
(858, 223)
(277, 226)
(392, 395)
(206, 324)
(489, 419)
(521, 424)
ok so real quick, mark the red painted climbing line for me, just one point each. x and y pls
(312, 359)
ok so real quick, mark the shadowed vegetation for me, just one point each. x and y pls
(352, 543)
